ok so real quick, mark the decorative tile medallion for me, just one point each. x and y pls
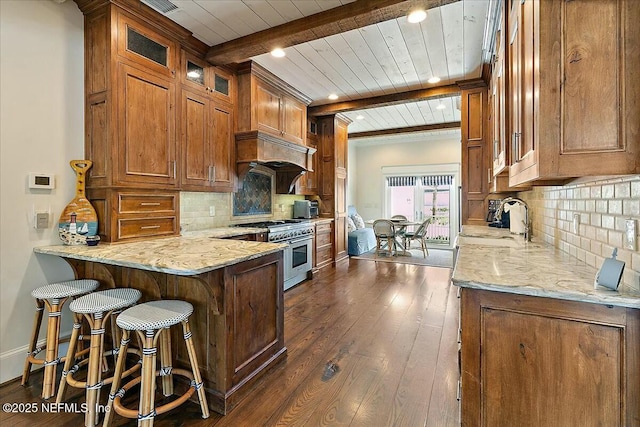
(255, 196)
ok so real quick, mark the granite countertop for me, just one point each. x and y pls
(224, 232)
(321, 220)
(529, 268)
(192, 254)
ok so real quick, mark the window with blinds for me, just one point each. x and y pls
(421, 197)
(425, 181)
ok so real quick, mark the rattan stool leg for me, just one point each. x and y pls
(34, 341)
(51, 357)
(146, 412)
(117, 377)
(94, 370)
(197, 379)
(70, 358)
(165, 362)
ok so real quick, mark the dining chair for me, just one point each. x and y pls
(384, 230)
(420, 235)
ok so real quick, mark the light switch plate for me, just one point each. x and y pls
(41, 220)
(630, 234)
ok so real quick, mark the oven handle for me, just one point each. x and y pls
(298, 240)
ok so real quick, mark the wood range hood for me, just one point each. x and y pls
(288, 160)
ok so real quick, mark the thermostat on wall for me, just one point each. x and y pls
(42, 181)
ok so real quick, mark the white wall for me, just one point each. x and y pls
(352, 167)
(42, 122)
(367, 184)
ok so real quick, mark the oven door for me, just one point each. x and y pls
(297, 260)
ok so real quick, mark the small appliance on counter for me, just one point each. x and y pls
(305, 209)
(504, 222)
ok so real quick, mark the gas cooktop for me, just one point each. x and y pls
(273, 224)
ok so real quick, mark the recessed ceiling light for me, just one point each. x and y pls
(278, 53)
(417, 16)
(333, 97)
(359, 117)
(441, 106)
(433, 80)
(193, 74)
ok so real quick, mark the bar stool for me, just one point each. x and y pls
(53, 296)
(151, 321)
(96, 307)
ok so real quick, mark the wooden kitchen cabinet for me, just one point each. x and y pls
(308, 184)
(267, 104)
(533, 361)
(323, 245)
(475, 167)
(127, 215)
(201, 76)
(333, 161)
(499, 148)
(132, 99)
(146, 147)
(206, 136)
(573, 89)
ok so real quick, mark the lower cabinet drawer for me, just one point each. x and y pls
(146, 227)
(324, 255)
(136, 203)
(323, 239)
(323, 228)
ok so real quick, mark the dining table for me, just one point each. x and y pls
(398, 240)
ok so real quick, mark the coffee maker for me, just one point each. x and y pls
(493, 208)
(503, 222)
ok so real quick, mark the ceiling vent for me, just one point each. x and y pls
(162, 6)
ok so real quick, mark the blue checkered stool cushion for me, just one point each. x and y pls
(53, 296)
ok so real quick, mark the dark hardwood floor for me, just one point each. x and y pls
(369, 344)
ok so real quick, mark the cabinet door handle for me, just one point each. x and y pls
(149, 204)
(213, 173)
(488, 175)
(149, 227)
(175, 171)
(515, 155)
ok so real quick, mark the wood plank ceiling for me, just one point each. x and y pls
(386, 58)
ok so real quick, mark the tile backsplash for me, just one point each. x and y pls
(602, 206)
(195, 209)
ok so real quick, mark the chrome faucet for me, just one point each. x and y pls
(527, 225)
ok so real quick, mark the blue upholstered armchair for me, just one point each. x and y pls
(360, 240)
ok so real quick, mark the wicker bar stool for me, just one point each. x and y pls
(52, 296)
(151, 321)
(96, 308)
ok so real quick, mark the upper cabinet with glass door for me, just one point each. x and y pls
(199, 75)
(141, 45)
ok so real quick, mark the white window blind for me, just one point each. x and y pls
(427, 181)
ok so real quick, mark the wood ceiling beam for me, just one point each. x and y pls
(410, 129)
(385, 100)
(350, 16)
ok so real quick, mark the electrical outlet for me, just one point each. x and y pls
(576, 223)
(630, 234)
(212, 211)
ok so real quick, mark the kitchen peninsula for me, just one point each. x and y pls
(235, 287)
(537, 338)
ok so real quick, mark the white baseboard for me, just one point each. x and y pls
(12, 361)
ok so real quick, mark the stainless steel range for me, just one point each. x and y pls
(298, 234)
